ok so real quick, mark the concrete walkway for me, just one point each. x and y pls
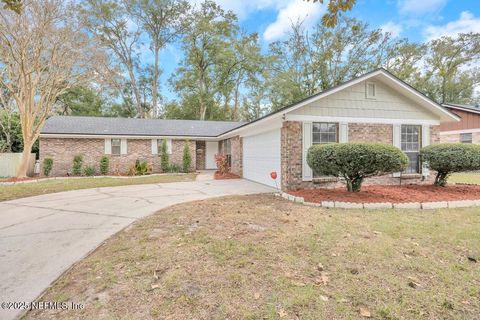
(42, 236)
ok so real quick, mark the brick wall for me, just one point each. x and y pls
(291, 151)
(62, 151)
(237, 155)
(370, 132)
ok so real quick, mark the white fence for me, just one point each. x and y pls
(9, 163)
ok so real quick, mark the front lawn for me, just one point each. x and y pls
(261, 257)
(21, 190)
(465, 177)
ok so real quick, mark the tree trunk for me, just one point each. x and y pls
(138, 101)
(27, 150)
(155, 84)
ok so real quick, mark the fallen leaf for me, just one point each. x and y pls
(320, 267)
(472, 259)
(364, 312)
(155, 286)
(323, 298)
(282, 313)
(256, 295)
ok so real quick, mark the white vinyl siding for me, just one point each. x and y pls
(352, 102)
(261, 156)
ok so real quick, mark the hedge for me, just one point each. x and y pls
(356, 161)
(447, 158)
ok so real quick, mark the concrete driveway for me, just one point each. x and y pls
(42, 236)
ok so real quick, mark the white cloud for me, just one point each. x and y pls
(420, 7)
(466, 23)
(392, 28)
(243, 8)
(293, 11)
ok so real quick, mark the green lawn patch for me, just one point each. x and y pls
(21, 190)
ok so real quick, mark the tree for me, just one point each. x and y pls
(305, 63)
(444, 69)
(108, 20)
(80, 101)
(335, 8)
(162, 21)
(14, 5)
(196, 79)
(43, 52)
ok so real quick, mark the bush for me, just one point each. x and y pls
(104, 163)
(77, 165)
(142, 168)
(356, 161)
(164, 158)
(221, 161)
(187, 158)
(47, 166)
(447, 158)
(89, 171)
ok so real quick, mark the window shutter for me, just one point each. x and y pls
(108, 146)
(397, 132)
(123, 146)
(154, 146)
(343, 133)
(425, 135)
(425, 142)
(169, 146)
(306, 143)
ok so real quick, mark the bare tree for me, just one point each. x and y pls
(44, 51)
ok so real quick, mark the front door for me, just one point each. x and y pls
(212, 150)
(410, 143)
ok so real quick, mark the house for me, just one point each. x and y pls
(376, 107)
(467, 130)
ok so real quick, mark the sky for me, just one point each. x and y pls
(417, 20)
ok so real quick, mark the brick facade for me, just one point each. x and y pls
(370, 132)
(237, 155)
(455, 138)
(62, 151)
(291, 153)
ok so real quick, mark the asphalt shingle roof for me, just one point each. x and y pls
(136, 127)
(475, 108)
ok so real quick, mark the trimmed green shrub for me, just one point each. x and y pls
(89, 171)
(47, 166)
(164, 158)
(447, 158)
(77, 165)
(104, 163)
(187, 158)
(355, 161)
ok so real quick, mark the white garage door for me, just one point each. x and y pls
(261, 155)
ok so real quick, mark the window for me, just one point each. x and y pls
(371, 90)
(159, 146)
(324, 132)
(466, 138)
(410, 144)
(116, 146)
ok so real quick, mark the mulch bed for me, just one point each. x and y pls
(16, 179)
(228, 175)
(394, 194)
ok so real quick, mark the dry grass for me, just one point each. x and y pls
(257, 257)
(21, 190)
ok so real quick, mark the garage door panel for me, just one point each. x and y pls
(261, 155)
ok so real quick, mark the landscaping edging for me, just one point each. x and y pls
(7, 183)
(384, 205)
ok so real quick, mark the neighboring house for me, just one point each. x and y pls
(467, 130)
(376, 107)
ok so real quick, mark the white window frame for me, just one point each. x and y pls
(159, 143)
(114, 146)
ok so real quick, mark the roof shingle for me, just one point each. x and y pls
(136, 127)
